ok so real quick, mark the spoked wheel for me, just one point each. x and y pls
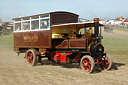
(31, 57)
(87, 64)
(106, 62)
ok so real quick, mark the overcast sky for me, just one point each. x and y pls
(87, 9)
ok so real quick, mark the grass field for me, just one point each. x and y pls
(119, 28)
(6, 40)
(15, 70)
(117, 47)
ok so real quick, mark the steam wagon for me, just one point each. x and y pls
(62, 39)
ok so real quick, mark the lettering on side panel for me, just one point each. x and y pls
(31, 38)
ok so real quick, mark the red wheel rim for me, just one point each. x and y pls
(105, 63)
(86, 64)
(29, 57)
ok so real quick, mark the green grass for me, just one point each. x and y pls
(116, 46)
(118, 28)
(6, 40)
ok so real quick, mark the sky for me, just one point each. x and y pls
(87, 9)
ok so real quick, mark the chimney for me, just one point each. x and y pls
(96, 29)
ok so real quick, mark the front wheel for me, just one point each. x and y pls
(87, 64)
(106, 62)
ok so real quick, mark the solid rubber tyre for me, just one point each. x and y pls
(87, 64)
(106, 62)
(110, 62)
(31, 58)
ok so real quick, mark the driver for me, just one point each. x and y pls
(76, 36)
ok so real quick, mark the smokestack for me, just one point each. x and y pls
(96, 29)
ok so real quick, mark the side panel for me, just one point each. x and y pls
(62, 57)
(33, 39)
(77, 43)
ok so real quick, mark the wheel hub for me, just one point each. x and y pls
(85, 64)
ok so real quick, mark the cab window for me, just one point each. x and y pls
(17, 26)
(26, 26)
(44, 24)
(35, 24)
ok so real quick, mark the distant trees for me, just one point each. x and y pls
(118, 18)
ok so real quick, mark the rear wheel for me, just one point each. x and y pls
(106, 62)
(31, 57)
(87, 64)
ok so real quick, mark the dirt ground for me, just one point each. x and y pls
(14, 70)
